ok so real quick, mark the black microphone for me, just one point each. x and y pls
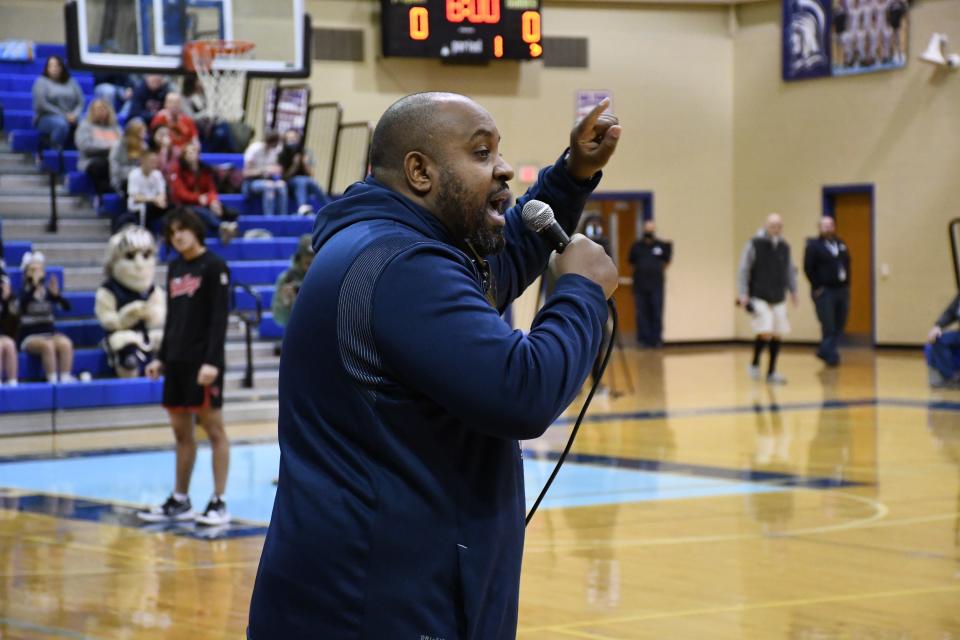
(539, 218)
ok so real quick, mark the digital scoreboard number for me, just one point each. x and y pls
(469, 29)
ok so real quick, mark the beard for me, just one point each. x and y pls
(468, 217)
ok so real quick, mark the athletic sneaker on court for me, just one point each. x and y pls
(764, 278)
(192, 360)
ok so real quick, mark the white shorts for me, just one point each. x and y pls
(769, 319)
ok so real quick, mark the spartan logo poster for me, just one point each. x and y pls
(843, 37)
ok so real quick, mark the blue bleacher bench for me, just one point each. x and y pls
(93, 360)
(108, 393)
(112, 392)
(289, 226)
(17, 118)
(13, 251)
(26, 397)
(112, 204)
(253, 272)
(244, 249)
(16, 100)
(52, 163)
(83, 333)
(23, 82)
(24, 140)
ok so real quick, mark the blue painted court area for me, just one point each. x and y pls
(145, 477)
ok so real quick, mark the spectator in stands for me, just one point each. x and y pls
(192, 359)
(38, 335)
(297, 164)
(147, 202)
(214, 133)
(288, 283)
(8, 348)
(116, 89)
(192, 184)
(183, 130)
(149, 96)
(57, 103)
(262, 174)
(95, 137)
(162, 144)
(126, 153)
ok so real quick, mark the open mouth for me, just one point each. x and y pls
(497, 205)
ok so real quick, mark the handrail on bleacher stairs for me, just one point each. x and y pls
(249, 320)
(54, 223)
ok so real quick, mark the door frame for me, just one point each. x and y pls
(829, 192)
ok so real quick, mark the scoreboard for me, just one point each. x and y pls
(467, 29)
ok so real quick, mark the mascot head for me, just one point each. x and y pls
(131, 258)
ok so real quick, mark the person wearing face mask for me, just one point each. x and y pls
(765, 276)
(650, 257)
(297, 164)
(827, 265)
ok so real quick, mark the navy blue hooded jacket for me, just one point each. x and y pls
(403, 394)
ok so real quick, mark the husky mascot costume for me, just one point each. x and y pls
(131, 308)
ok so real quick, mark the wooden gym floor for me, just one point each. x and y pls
(703, 505)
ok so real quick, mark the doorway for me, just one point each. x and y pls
(623, 216)
(851, 206)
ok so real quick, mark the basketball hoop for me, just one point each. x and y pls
(222, 88)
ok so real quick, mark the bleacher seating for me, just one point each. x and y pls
(253, 262)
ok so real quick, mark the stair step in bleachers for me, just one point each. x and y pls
(69, 229)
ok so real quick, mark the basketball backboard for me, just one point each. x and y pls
(147, 36)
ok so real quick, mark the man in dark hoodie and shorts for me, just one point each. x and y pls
(403, 393)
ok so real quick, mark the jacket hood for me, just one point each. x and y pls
(371, 200)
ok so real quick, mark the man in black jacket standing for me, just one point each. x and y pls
(827, 265)
(650, 257)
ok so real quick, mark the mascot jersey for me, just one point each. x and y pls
(125, 296)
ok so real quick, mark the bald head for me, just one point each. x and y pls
(774, 224)
(414, 123)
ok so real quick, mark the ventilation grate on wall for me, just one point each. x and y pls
(565, 52)
(338, 44)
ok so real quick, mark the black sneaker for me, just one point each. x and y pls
(170, 510)
(214, 514)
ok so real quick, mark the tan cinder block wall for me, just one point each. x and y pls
(671, 73)
(38, 20)
(898, 130)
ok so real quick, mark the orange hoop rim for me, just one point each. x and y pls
(208, 50)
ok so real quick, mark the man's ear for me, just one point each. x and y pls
(419, 172)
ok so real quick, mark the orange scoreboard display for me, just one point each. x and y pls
(477, 29)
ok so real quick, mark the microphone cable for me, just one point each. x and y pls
(583, 412)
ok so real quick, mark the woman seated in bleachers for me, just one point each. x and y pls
(57, 103)
(38, 334)
(262, 174)
(192, 184)
(146, 195)
(8, 348)
(94, 138)
(125, 155)
(297, 164)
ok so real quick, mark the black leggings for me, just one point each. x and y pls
(99, 172)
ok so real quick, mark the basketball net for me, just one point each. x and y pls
(223, 89)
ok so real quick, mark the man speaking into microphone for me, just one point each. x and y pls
(403, 394)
